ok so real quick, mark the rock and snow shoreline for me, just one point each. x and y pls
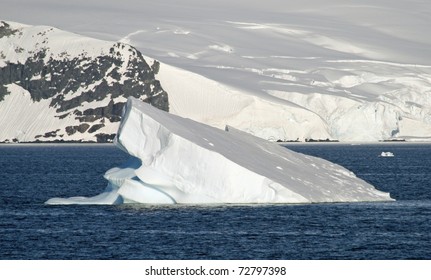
(177, 160)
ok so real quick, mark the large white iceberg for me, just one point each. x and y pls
(178, 160)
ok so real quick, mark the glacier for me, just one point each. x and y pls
(178, 160)
(355, 71)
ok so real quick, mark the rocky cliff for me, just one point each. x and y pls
(58, 86)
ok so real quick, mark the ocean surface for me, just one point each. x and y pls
(31, 174)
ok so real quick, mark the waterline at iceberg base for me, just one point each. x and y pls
(177, 160)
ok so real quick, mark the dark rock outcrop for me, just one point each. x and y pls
(96, 78)
(69, 82)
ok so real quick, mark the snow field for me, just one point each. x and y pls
(357, 57)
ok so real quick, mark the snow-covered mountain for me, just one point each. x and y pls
(56, 85)
(356, 70)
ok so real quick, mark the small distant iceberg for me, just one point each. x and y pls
(177, 160)
(387, 154)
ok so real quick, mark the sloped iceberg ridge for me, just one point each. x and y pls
(177, 160)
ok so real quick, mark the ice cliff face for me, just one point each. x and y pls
(58, 86)
(177, 160)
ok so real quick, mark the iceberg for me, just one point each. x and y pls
(178, 160)
(387, 154)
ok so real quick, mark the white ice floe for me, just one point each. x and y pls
(178, 160)
(387, 154)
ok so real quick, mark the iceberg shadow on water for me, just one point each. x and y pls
(177, 160)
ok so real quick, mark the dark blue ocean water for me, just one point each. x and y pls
(29, 175)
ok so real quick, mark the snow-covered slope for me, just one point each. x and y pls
(356, 70)
(56, 85)
(177, 160)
